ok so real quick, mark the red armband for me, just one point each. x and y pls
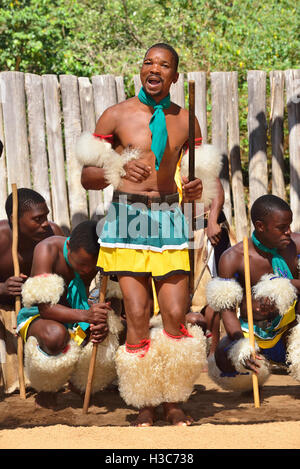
(108, 138)
(198, 142)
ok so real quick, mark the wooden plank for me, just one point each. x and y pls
(200, 100)
(37, 137)
(238, 195)
(121, 96)
(105, 95)
(3, 174)
(277, 135)
(55, 152)
(15, 130)
(88, 123)
(257, 134)
(137, 84)
(72, 130)
(177, 91)
(219, 132)
(292, 81)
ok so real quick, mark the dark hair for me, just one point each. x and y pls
(162, 45)
(84, 236)
(267, 204)
(27, 198)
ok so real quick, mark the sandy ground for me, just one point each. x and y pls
(223, 420)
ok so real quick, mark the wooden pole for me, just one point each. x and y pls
(250, 317)
(18, 298)
(192, 176)
(89, 383)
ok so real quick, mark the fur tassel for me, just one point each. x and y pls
(49, 372)
(277, 289)
(293, 351)
(183, 361)
(167, 372)
(239, 352)
(140, 379)
(235, 382)
(92, 151)
(208, 164)
(105, 369)
(45, 288)
(223, 293)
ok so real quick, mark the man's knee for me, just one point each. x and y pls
(53, 337)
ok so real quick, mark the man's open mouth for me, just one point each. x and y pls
(153, 81)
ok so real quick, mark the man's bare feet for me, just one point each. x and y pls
(145, 418)
(47, 400)
(175, 415)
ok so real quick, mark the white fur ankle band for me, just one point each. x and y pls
(222, 293)
(45, 288)
(277, 289)
(208, 164)
(94, 151)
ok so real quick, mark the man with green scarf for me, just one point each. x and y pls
(274, 273)
(57, 320)
(140, 240)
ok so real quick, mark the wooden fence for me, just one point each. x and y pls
(42, 116)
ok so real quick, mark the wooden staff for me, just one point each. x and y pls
(15, 257)
(89, 383)
(250, 318)
(192, 174)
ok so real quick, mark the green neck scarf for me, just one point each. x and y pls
(157, 124)
(76, 295)
(279, 265)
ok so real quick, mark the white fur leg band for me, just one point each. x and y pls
(182, 363)
(208, 164)
(277, 289)
(236, 381)
(105, 369)
(49, 372)
(223, 293)
(94, 151)
(45, 288)
(239, 352)
(166, 372)
(293, 351)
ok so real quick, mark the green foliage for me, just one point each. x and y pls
(88, 37)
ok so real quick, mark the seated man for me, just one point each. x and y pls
(57, 323)
(33, 227)
(273, 255)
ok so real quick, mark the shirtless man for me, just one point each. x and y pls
(273, 255)
(33, 227)
(57, 313)
(146, 372)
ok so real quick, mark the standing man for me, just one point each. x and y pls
(33, 227)
(145, 235)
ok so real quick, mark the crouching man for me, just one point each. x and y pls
(58, 324)
(273, 255)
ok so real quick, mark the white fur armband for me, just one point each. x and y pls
(45, 288)
(240, 352)
(94, 151)
(208, 164)
(277, 289)
(223, 293)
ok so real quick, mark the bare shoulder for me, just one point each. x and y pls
(49, 247)
(111, 117)
(56, 230)
(296, 238)
(231, 259)
(5, 235)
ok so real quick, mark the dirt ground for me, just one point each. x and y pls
(223, 420)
